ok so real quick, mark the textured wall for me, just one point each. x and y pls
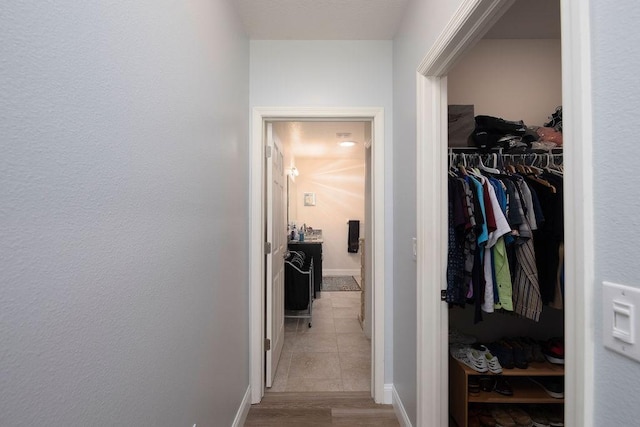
(616, 99)
(124, 170)
(333, 74)
(421, 26)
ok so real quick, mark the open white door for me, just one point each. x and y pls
(276, 237)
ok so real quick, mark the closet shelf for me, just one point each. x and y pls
(524, 391)
(535, 369)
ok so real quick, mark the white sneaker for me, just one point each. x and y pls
(470, 357)
(493, 364)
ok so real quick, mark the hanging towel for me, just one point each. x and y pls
(354, 236)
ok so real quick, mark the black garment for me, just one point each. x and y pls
(549, 236)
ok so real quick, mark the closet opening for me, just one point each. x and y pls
(434, 86)
(505, 269)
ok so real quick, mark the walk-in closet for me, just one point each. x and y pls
(505, 281)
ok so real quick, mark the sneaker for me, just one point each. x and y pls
(470, 357)
(486, 420)
(492, 361)
(503, 419)
(556, 417)
(553, 386)
(538, 416)
(553, 350)
(521, 418)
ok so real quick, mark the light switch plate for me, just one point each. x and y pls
(621, 323)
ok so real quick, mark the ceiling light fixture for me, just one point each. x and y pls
(345, 141)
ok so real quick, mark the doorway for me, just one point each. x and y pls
(474, 19)
(329, 351)
(257, 220)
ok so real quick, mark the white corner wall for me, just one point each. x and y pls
(333, 74)
(124, 284)
(616, 100)
(516, 79)
(338, 185)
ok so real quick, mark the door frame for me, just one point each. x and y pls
(468, 25)
(257, 237)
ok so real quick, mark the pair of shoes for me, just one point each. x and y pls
(520, 416)
(553, 350)
(481, 418)
(510, 353)
(503, 419)
(553, 386)
(536, 349)
(471, 357)
(493, 364)
(519, 353)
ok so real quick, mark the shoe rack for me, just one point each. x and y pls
(524, 391)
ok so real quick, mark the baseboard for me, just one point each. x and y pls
(243, 410)
(340, 272)
(388, 394)
(401, 413)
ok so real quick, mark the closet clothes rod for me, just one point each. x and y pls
(500, 150)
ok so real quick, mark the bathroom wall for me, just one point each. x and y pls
(338, 185)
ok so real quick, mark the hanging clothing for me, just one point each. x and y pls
(505, 236)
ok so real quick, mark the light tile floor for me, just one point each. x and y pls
(332, 355)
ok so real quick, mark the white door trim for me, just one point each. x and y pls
(256, 235)
(471, 21)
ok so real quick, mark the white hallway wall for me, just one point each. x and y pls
(121, 263)
(616, 99)
(333, 74)
(338, 185)
(422, 24)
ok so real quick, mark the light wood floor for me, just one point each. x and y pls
(316, 409)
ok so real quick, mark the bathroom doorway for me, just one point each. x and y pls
(373, 232)
(325, 169)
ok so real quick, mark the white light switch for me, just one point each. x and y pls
(620, 321)
(623, 321)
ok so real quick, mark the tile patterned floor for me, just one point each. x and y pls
(332, 355)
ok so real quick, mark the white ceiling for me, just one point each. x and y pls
(321, 19)
(364, 20)
(376, 19)
(319, 139)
